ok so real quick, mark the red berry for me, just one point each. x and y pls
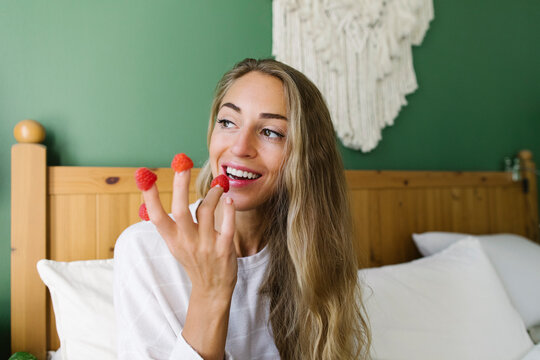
(222, 181)
(145, 178)
(143, 213)
(181, 162)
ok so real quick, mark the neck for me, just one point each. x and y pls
(248, 231)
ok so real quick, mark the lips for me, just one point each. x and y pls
(240, 175)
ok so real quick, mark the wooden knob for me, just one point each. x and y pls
(525, 155)
(29, 131)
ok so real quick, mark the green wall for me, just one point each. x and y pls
(129, 83)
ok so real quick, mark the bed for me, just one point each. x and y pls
(67, 214)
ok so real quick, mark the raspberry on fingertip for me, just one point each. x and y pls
(144, 178)
(143, 212)
(222, 181)
(181, 162)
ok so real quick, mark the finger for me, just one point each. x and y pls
(228, 225)
(180, 201)
(206, 213)
(164, 224)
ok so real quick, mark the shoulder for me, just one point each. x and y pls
(137, 243)
(137, 232)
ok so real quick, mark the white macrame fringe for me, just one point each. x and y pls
(358, 52)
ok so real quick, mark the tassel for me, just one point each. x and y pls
(358, 52)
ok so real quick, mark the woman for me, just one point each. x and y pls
(264, 271)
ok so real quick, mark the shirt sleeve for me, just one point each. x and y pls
(143, 329)
(182, 347)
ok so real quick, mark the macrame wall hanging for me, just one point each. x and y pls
(358, 52)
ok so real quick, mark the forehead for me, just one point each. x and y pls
(259, 91)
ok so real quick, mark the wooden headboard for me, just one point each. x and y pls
(68, 213)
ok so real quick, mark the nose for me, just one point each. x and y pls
(245, 144)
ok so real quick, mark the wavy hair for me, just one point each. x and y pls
(315, 299)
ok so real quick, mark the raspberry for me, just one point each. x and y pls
(222, 181)
(145, 178)
(181, 162)
(143, 213)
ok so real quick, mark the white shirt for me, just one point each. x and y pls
(151, 297)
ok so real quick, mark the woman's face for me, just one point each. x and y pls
(248, 139)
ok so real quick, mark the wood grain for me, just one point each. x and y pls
(369, 179)
(73, 227)
(103, 180)
(114, 214)
(28, 245)
(365, 210)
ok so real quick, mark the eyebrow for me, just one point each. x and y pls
(261, 115)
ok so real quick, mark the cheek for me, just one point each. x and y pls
(213, 152)
(219, 144)
(278, 158)
(214, 165)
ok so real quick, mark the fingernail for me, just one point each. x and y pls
(228, 200)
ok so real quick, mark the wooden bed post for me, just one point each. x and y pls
(28, 239)
(528, 174)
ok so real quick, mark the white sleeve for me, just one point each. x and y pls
(182, 348)
(144, 329)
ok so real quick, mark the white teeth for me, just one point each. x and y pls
(240, 173)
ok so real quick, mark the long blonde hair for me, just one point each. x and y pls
(316, 309)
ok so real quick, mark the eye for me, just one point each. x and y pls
(224, 123)
(271, 134)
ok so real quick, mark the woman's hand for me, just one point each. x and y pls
(208, 257)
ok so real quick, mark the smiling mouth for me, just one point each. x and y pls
(237, 174)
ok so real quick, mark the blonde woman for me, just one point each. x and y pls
(264, 271)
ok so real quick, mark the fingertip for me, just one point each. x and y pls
(230, 209)
(187, 171)
(182, 175)
(217, 188)
(229, 214)
(150, 189)
(143, 192)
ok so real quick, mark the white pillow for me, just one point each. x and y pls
(515, 258)
(448, 306)
(82, 297)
